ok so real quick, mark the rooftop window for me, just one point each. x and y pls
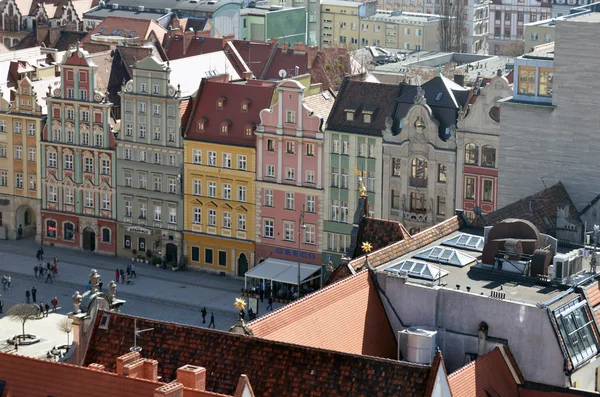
(447, 256)
(575, 327)
(415, 269)
(466, 241)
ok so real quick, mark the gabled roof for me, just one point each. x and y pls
(410, 243)
(492, 374)
(360, 96)
(274, 368)
(379, 233)
(120, 26)
(231, 94)
(255, 54)
(347, 316)
(539, 209)
(321, 103)
(286, 59)
(188, 44)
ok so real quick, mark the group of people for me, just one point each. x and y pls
(125, 275)
(6, 280)
(49, 270)
(204, 312)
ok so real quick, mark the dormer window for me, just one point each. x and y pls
(351, 111)
(245, 104)
(202, 123)
(221, 102)
(225, 127)
(250, 129)
(350, 115)
(366, 118)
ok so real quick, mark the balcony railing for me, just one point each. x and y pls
(418, 182)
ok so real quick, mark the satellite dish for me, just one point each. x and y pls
(282, 73)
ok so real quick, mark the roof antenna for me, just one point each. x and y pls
(137, 333)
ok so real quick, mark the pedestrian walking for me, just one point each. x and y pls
(212, 320)
(55, 269)
(8, 281)
(49, 276)
(47, 307)
(20, 231)
(4, 281)
(38, 254)
(243, 314)
(164, 261)
(128, 270)
(270, 305)
(121, 276)
(261, 293)
(117, 276)
(250, 314)
(36, 271)
(203, 312)
(49, 267)
(27, 296)
(54, 303)
(1, 305)
(133, 271)
(41, 272)
(33, 294)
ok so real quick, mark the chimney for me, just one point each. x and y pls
(459, 79)
(300, 47)
(173, 389)
(274, 40)
(192, 377)
(312, 55)
(98, 367)
(151, 370)
(141, 368)
(285, 46)
(126, 359)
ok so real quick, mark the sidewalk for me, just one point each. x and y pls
(185, 289)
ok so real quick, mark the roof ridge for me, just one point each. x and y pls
(306, 297)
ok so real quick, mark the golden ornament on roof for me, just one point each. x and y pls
(240, 303)
(367, 247)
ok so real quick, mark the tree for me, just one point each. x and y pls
(330, 66)
(452, 30)
(514, 49)
(22, 312)
(65, 325)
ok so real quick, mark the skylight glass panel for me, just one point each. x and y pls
(466, 241)
(416, 269)
(446, 256)
(575, 326)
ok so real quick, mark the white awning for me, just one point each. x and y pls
(282, 271)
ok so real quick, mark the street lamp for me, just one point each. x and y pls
(302, 227)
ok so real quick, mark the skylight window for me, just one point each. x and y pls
(466, 241)
(447, 256)
(416, 269)
(575, 326)
(439, 96)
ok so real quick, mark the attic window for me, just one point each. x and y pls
(225, 127)
(366, 118)
(439, 96)
(350, 115)
(245, 104)
(220, 102)
(104, 321)
(202, 123)
(249, 129)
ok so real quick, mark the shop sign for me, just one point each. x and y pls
(136, 229)
(294, 253)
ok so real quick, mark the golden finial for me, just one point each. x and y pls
(240, 303)
(367, 247)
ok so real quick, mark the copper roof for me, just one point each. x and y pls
(351, 307)
(274, 368)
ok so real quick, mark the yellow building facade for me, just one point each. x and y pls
(340, 22)
(219, 206)
(21, 124)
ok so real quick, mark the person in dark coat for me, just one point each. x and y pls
(203, 312)
(27, 296)
(1, 305)
(212, 320)
(47, 307)
(261, 293)
(34, 294)
(270, 305)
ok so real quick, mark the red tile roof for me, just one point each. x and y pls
(255, 54)
(232, 95)
(539, 209)
(188, 44)
(489, 375)
(274, 368)
(410, 243)
(142, 28)
(30, 377)
(286, 59)
(341, 272)
(379, 232)
(351, 307)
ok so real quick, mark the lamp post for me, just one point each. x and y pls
(302, 227)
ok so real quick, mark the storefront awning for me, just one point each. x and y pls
(283, 271)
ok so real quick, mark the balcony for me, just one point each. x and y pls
(417, 216)
(418, 182)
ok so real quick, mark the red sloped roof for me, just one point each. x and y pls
(188, 44)
(255, 54)
(286, 59)
(347, 316)
(232, 95)
(489, 375)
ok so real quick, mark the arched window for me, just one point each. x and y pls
(418, 172)
(471, 153)
(417, 203)
(488, 156)
(105, 235)
(51, 228)
(68, 231)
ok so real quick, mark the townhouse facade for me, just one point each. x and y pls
(289, 179)
(77, 161)
(353, 142)
(477, 143)
(220, 174)
(507, 20)
(340, 22)
(21, 122)
(150, 164)
(409, 31)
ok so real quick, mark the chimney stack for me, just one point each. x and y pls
(126, 359)
(192, 377)
(173, 389)
(248, 75)
(98, 367)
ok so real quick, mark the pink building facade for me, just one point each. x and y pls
(289, 172)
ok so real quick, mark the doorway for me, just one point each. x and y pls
(242, 265)
(171, 253)
(89, 239)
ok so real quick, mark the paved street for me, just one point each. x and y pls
(157, 293)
